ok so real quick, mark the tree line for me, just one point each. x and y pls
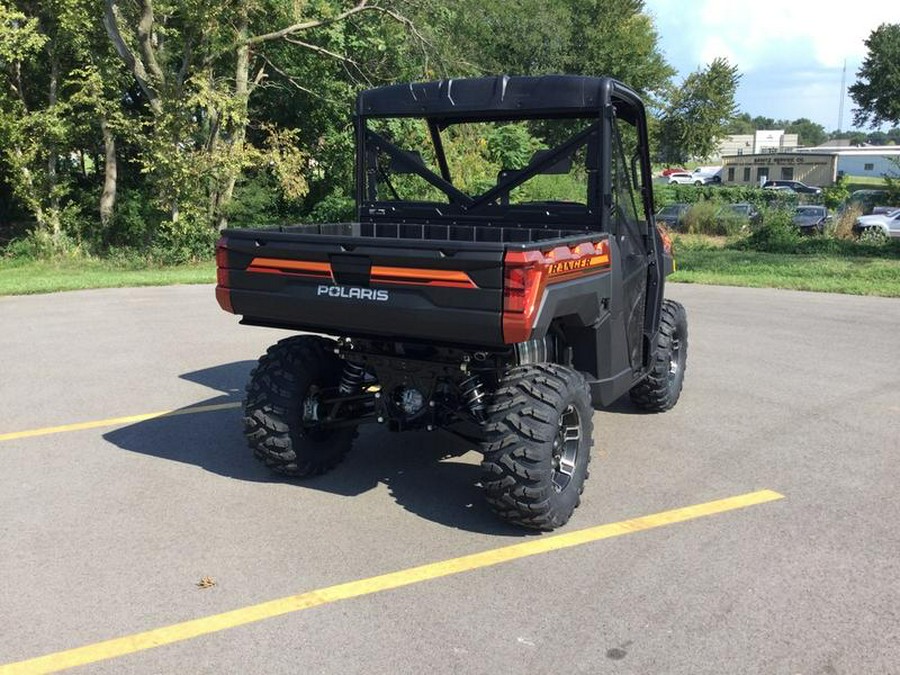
(152, 124)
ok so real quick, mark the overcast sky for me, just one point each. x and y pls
(790, 52)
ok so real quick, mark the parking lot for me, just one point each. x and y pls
(112, 513)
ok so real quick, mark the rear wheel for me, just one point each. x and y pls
(660, 390)
(537, 445)
(282, 412)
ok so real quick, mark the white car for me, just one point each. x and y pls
(886, 223)
(680, 178)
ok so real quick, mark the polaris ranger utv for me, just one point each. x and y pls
(504, 274)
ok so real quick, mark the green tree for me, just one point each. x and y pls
(43, 127)
(535, 37)
(198, 64)
(877, 87)
(740, 124)
(808, 131)
(698, 113)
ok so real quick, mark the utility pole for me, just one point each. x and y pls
(841, 106)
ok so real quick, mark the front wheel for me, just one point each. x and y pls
(660, 390)
(537, 445)
(282, 411)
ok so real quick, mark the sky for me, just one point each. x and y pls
(790, 52)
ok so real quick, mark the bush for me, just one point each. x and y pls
(133, 224)
(41, 245)
(255, 202)
(336, 207)
(186, 240)
(709, 219)
(835, 195)
(777, 234)
(841, 226)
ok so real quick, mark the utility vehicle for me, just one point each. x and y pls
(502, 276)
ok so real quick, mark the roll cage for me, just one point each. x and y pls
(599, 101)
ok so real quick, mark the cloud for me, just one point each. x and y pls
(790, 54)
(755, 34)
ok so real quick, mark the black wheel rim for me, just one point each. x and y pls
(675, 358)
(565, 448)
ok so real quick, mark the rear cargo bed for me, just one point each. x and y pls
(432, 282)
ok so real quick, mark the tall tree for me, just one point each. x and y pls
(877, 87)
(535, 37)
(740, 124)
(197, 64)
(698, 113)
(809, 132)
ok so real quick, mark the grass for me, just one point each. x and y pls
(701, 260)
(20, 276)
(828, 274)
(864, 182)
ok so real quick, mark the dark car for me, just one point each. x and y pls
(672, 216)
(811, 219)
(794, 185)
(743, 212)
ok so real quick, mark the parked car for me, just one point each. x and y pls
(794, 185)
(681, 178)
(744, 212)
(710, 175)
(684, 178)
(887, 224)
(669, 170)
(672, 216)
(780, 188)
(811, 219)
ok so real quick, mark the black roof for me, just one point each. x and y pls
(498, 97)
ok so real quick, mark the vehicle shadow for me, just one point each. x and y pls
(622, 406)
(430, 474)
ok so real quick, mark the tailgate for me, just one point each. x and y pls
(358, 286)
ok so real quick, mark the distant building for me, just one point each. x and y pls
(763, 141)
(864, 160)
(754, 170)
(819, 166)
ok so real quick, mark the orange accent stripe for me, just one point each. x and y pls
(410, 276)
(422, 277)
(276, 264)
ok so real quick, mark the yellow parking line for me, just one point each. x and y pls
(186, 630)
(116, 421)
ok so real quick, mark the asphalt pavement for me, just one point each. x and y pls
(110, 517)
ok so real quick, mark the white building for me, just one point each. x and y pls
(761, 142)
(866, 160)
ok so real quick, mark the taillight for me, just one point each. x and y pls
(527, 273)
(223, 292)
(524, 277)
